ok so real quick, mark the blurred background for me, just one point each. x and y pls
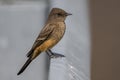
(20, 24)
(91, 43)
(105, 28)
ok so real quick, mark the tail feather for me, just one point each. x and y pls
(24, 66)
(29, 53)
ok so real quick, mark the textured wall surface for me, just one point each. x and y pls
(76, 42)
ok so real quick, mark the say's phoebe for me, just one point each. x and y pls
(49, 36)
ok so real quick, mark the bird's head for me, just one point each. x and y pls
(58, 14)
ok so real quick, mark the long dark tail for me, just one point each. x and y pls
(30, 53)
(24, 66)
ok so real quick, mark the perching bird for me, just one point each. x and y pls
(49, 36)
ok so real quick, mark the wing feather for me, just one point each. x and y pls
(43, 36)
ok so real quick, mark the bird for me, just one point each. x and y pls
(49, 36)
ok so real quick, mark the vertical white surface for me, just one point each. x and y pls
(20, 24)
(75, 45)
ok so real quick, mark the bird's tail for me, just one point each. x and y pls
(30, 53)
(25, 66)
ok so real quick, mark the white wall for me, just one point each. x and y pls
(76, 42)
(20, 24)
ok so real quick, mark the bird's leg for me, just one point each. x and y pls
(53, 55)
(49, 53)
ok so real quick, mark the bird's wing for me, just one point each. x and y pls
(43, 36)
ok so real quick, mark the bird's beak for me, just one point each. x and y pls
(67, 14)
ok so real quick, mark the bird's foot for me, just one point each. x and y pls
(53, 55)
(56, 55)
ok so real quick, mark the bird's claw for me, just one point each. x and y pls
(56, 55)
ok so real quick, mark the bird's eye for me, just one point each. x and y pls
(59, 14)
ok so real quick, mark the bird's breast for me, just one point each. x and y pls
(59, 31)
